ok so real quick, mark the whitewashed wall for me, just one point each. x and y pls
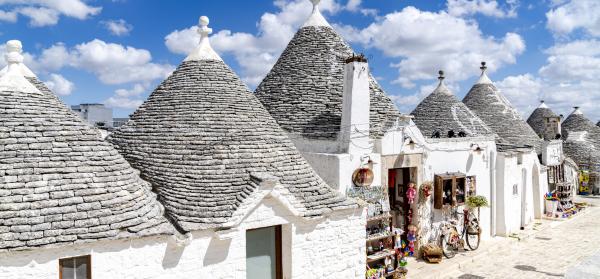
(333, 247)
(510, 169)
(457, 155)
(337, 169)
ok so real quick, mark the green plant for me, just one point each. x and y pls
(371, 272)
(477, 202)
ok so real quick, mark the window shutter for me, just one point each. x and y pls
(438, 194)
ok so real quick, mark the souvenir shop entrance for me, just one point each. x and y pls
(402, 192)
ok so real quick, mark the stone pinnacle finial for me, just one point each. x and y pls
(441, 77)
(203, 29)
(542, 104)
(483, 79)
(316, 18)
(204, 51)
(13, 56)
(12, 77)
(577, 110)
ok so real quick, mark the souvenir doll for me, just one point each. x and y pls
(411, 193)
(411, 236)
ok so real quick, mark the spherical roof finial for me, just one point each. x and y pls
(204, 20)
(14, 48)
(203, 29)
(441, 77)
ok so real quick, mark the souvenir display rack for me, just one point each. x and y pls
(381, 255)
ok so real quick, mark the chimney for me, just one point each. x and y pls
(354, 131)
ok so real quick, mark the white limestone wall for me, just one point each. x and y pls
(337, 169)
(332, 247)
(523, 171)
(457, 155)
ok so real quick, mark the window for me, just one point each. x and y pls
(263, 253)
(75, 268)
(452, 189)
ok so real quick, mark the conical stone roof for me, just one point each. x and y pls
(303, 91)
(442, 112)
(537, 119)
(497, 112)
(200, 138)
(577, 122)
(59, 182)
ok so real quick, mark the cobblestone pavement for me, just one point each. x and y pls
(569, 248)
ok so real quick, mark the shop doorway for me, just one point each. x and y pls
(398, 180)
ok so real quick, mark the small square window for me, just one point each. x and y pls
(75, 268)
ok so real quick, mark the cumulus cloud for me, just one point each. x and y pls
(60, 85)
(46, 12)
(572, 15)
(524, 91)
(425, 45)
(117, 27)
(127, 98)
(256, 53)
(489, 8)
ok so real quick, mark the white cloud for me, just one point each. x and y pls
(39, 17)
(425, 45)
(117, 27)
(47, 12)
(572, 15)
(256, 54)
(135, 91)
(128, 98)
(523, 91)
(117, 64)
(486, 7)
(8, 16)
(60, 85)
(124, 103)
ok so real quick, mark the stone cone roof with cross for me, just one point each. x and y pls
(303, 91)
(441, 112)
(485, 100)
(204, 141)
(60, 183)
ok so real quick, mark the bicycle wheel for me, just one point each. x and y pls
(473, 240)
(447, 248)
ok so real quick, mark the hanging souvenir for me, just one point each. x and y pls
(411, 236)
(411, 193)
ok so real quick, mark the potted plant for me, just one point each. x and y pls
(478, 202)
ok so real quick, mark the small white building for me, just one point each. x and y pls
(458, 146)
(521, 179)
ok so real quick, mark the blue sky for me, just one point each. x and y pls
(116, 52)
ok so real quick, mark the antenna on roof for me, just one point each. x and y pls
(203, 51)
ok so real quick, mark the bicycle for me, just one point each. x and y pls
(452, 241)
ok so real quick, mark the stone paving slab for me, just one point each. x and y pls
(547, 250)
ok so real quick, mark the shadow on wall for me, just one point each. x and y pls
(469, 163)
(217, 251)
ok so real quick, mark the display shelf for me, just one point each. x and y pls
(380, 255)
(378, 237)
(384, 216)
